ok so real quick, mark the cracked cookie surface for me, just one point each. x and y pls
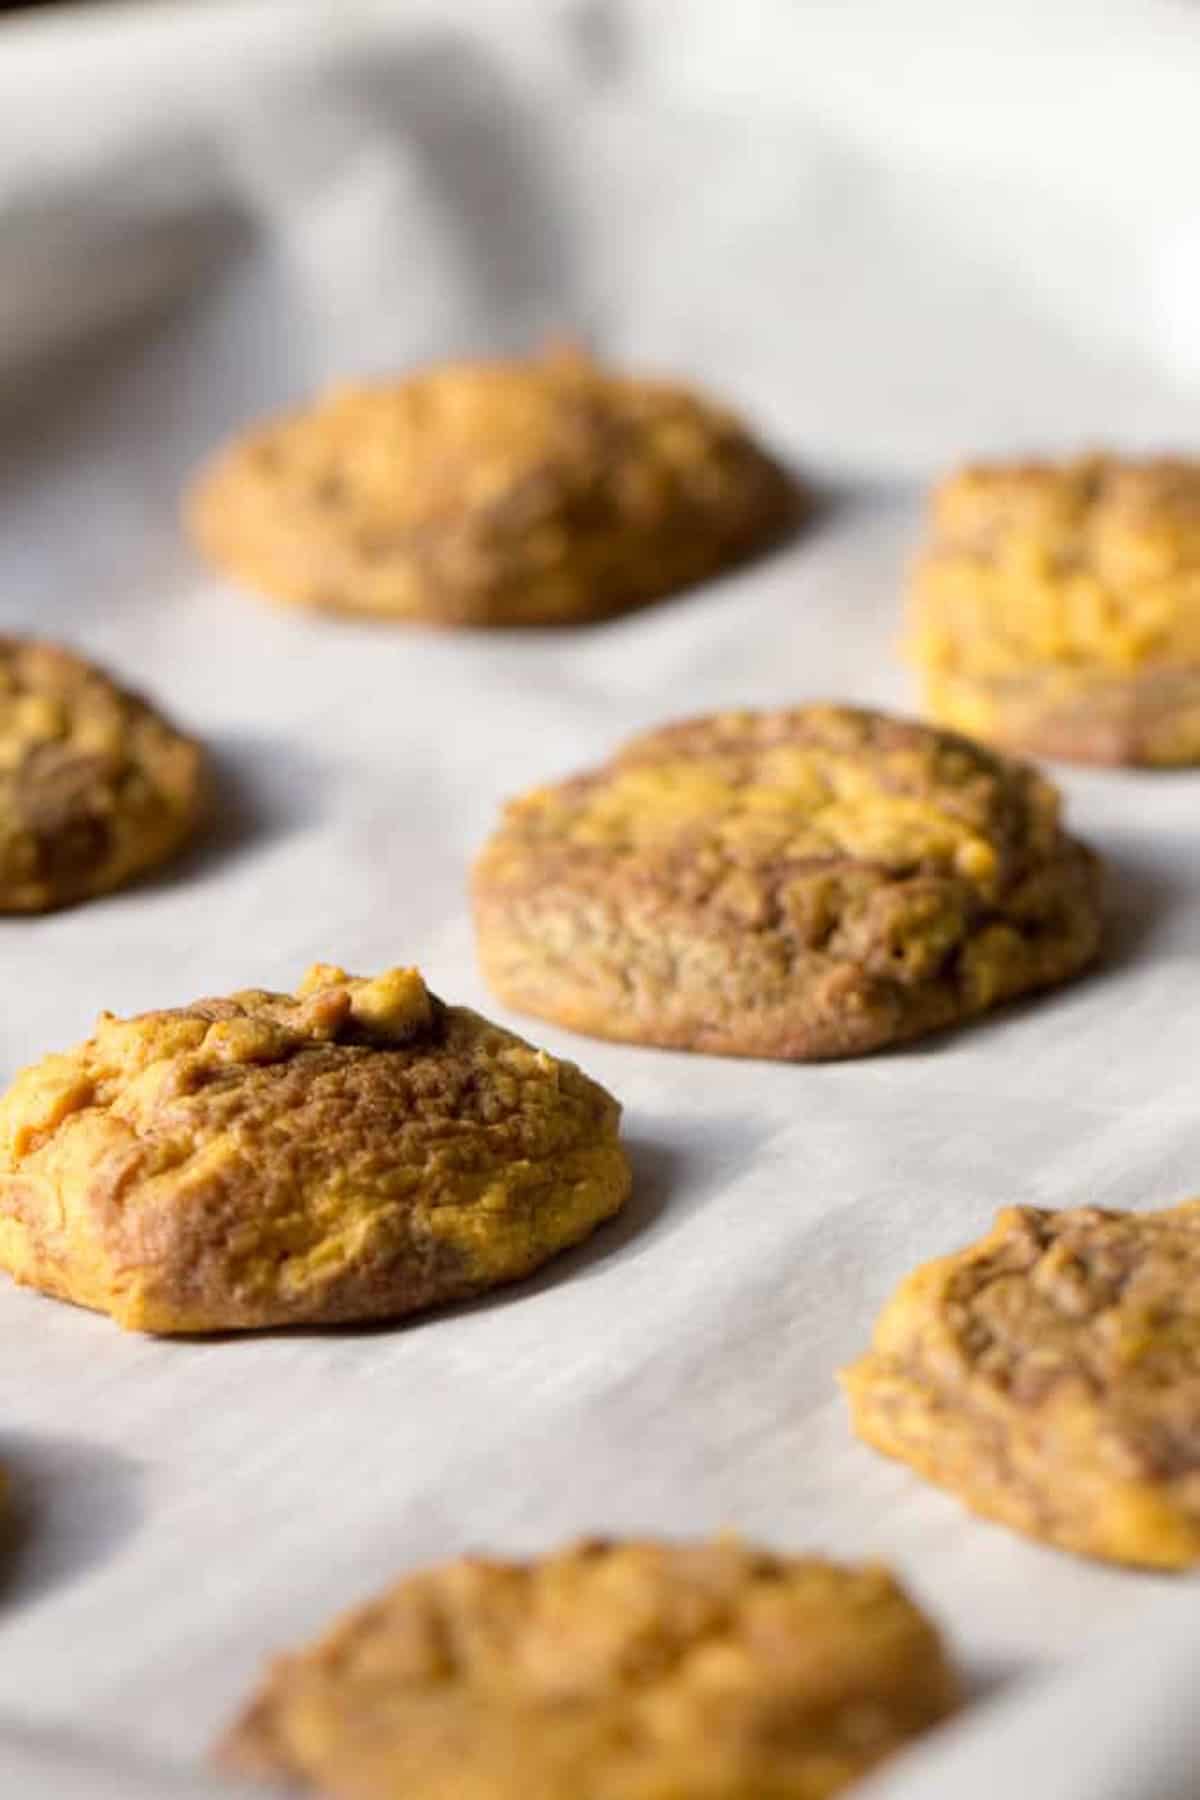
(806, 883)
(1056, 608)
(1049, 1376)
(636, 1671)
(356, 1151)
(96, 788)
(536, 492)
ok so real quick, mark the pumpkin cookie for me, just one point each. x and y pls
(95, 787)
(1049, 1375)
(357, 1151)
(537, 492)
(1056, 609)
(798, 884)
(606, 1672)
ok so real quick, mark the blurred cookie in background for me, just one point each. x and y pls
(1055, 608)
(96, 787)
(544, 491)
(612, 1670)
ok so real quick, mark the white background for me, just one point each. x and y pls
(893, 236)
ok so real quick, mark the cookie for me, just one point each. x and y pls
(1049, 1375)
(606, 1672)
(357, 1151)
(538, 492)
(1056, 608)
(808, 883)
(95, 786)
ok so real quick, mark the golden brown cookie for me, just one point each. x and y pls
(802, 884)
(538, 492)
(95, 787)
(1049, 1375)
(357, 1151)
(635, 1671)
(1056, 608)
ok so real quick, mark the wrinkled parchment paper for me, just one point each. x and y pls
(893, 236)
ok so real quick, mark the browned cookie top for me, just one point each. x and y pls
(356, 1150)
(1124, 521)
(94, 785)
(606, 1672)
(730, 811)
(492, 493)
(1087, 564)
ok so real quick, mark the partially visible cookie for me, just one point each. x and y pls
(1151, 719)
(807, 883)
(356, 1151)
(1056, 608)
(536, 492)
(1049, 1375)
(636, 1671)
(95, 786)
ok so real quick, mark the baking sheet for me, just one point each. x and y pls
(892, 236)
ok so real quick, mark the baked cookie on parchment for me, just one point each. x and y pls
(541, 491)
(96, 787)
(807, 883)
(356, 1151)
(1056, 608)
(1049, 1376)
(606, 1672)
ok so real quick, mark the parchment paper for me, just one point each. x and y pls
(893, 235)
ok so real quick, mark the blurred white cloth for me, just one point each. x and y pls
(893, 235)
